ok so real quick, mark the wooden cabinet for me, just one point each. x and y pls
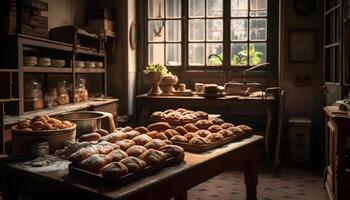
(337, 173)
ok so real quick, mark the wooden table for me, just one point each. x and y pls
(170, 182)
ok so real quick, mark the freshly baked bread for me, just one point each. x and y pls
(181, 130)
(133, 164)
(203, 133)
(43, 122)
(172, 117)
(159, 126)
(168, 111)
(226, 133)
(132, 134)
(95, 162)
(161, 136)
(106, 147)
(153, 157)
(168, 142)
(125, 144)
(191, 127)
(114, 170)
(136, 150)
(217, 121)
(158, 116)
(155, 144)
(201, 114)
(214, 128)
(173, 151)
(214, 137)
(102, 132)
(235, 130)
(89, 137)
(141, 129)
(83, 153)
(178, 138)
(190, 135)
(181, 110)
(142, 139)
(226, 125)
(245, 128)
(118, 155)
(186, 118)
(170, 133)
(199, 141)
(105, 143)
(203, 124)
(152, 134)
(113, 137)
(126, 129)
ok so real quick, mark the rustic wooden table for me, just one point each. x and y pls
(174, 181)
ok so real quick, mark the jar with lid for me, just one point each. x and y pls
(62, 93)
(82, 91)
(50, 98)
(33, 96)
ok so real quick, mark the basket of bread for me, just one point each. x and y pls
(179, 116)
(38, 129)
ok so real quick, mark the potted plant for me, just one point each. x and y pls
(153, 75)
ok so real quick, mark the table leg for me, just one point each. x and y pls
(251, 174)
(182, 196)
(267, 132)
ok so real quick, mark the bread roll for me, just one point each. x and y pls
(133, 164)
(203, 133)
(214, 128)
(178, 138)
(95, 162)
(245, 128)
(142, 139)
(201, 114)
(170, 133)
(226, 133)
(203, 124)
(104, 148)
(173, 151)
(168, 111)
(161, 136)
(126, 129)
(105, 143)
(155, 144)
(159, 126)
(214, 137)
(113, 137)
(190, 135)
(235, 130)
(199, 141)
(172, 117)
(168, 142)
(118, 155)
(141, 129)
(158, 116)
(83, 153)
(125, 144)
(132, 134)
(136, 150)
(89, 137)
(153, 157)
(114, 170)
(181, 130)
(191, 127)
(226, 125)
(152, 134)
(217, 121)
(102, 132)
(181, 110)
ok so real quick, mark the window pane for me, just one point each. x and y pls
(155, 31)
(239, 54)
(173, 54)
(196, 30)
(258, 8)
(196, 54)
(173, 8)
(214, 48)
(257, 53)
(239, 8)
(239, 29)
(214, 30)
(156, 9)
(173, 30)
(215, 8)
(156, 54)
(196, 8)
(258, 29)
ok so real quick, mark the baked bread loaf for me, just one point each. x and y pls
(141, 129)
(113, 137)
(214, 128)
(226, 125)
(105, 148)
(155, 144)
(42, 122)
(203, 133)
(181, 110)
(153, 157)
(214, 137)
(203, 124)
(161, 136)
(168, 142)
(159, 126)
(172, 117)
(178, 138)
(186, 118)
(95, 162)
(142, 139)
(201, 114)
(181, 130)
(152, 134)
(114, 170)
(133, 164)
(158, 116)
(102, 132)
(190, 135)
(226, 133)
(168, 111)
(105, 143)
(136, 150)
(125, 129)
(217, 121)
(199, 141)
(125, 144)
(235, 130)
(118, 155)
(132, 134)
(170, 133)
(245, 128)
(191, 127)
(89, 137)
(83, 153)
(173, 151)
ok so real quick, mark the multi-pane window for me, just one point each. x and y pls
(196, 30)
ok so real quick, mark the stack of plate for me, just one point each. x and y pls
(30, 61)
(58, 63)
(79, 64)
(99, 64)
(44, 62)
(90, 64)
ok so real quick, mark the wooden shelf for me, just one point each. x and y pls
(90, 70)
(9, 100)
(47, 69)
(8, 70)
(91, 51)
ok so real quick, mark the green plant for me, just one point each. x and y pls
(215, 60)
(255, 57)
(157, 68)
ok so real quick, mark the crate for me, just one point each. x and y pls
(299, 140)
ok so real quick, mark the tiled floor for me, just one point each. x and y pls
(291, 184)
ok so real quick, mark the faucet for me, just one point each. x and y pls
(250, 69)
(215, 55)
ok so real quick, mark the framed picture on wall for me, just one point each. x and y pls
(302, 45)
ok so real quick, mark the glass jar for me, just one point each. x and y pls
(62, 93)
(50, 99)
(33, 96)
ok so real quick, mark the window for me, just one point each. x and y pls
(183, 33)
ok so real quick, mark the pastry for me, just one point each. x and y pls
(118, 155)
(186, 118)
(102, 132)
(214, 137)
(168, 142)
(38, 125)
(89, 137)
(158, 116)
(168, 111)
(104, 148)
(136, 150)
(155, 144)
(83, 153)
(190, 135)
(105, 143)
(125, 144)
(126, 129)
(114, 170)
(235, 130)
(181, 130)
(172, 117)
(199, 141)
(159, 126)
(153, 157)
(191, 127)
(201, 114)
(142, 139)
(245, 128)
(226, 133)
(217, 121)
(173, 151)
(141, 129)
(203, 124)
(152, 134)
(181, 110)
(161, 136)
(23, 124)
(170, 133)
(203, 133)
(214, 128)
(95, 162)
(113, 137)
(132, 134)
(226, 125)
(133, 164)
(178, 138)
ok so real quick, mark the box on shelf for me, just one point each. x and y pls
(299, 139)
(101, 24)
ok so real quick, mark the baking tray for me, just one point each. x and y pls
(203, 148)
(123, 180)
